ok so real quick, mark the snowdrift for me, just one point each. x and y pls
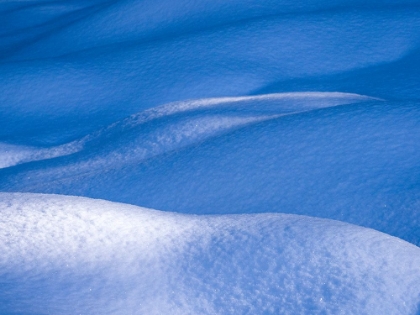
(339, 156)
(67, 255)
(92, 63)
(253, 125)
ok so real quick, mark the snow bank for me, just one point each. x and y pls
(82, 83)
(175, 125)
(292, 153)
(69, 255)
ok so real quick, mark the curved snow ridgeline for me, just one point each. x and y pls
(171, 126)
(80, 65)
(279, 140)
(295, 153)
(69, 255)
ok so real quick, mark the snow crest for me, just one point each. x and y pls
(67, 255)
(223, 115)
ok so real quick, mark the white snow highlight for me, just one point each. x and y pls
(188, 122)
(67, 255)
(253, 125)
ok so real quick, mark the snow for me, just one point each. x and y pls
(69, 255)
(11, 155)
(320, 154)
(280, 140)
(60, 90)
(184, 123)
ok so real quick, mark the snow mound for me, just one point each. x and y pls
(175, 125)
(186, 106)
(294, 153)
(70, 255)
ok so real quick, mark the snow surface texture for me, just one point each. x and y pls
(71, 255)
(332, 155)
(210, 107)
(174, 125)
(80, 65)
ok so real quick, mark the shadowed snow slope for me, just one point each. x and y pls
(79, 66)
(294, 153)
(222, 114)
(70, 255)
(165, 128)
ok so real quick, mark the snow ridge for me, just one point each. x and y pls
(91, 256)
(274, 191)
